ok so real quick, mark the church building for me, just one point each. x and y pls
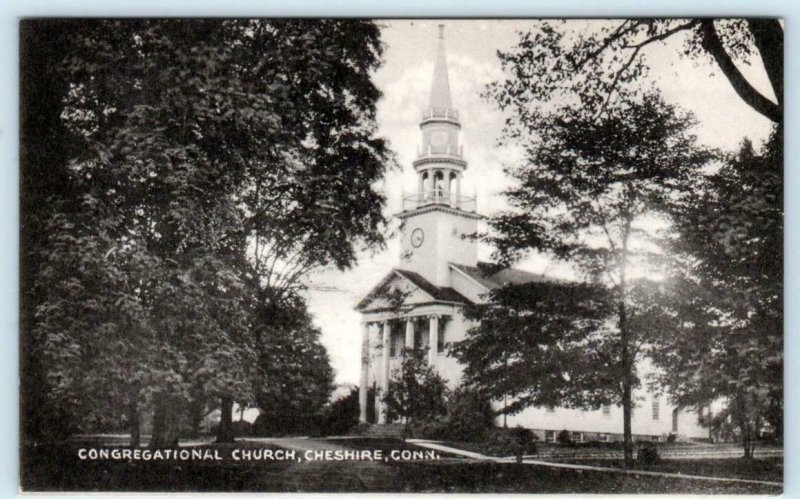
(419, 304)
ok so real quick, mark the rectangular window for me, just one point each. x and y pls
(577, 437)
(607, 410)
(602, 437)
(675, 421)
(549, 436)
(656, 409)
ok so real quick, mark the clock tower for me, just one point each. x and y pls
(438, 219)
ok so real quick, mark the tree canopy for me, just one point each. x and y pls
(551, 64)
(726, 340)
(200, 165)
(581, 195)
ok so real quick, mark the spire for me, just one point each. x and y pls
(440, 89)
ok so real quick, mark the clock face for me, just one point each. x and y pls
(417, 237)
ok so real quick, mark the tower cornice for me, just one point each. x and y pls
(439, 158)
(429, 208)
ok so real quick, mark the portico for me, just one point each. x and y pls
(380, 348)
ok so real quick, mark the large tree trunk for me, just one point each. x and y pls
(165, 423)
(134, 423)
(196, 413)
(225, 429)
(626, 355)
(749, 94)
(627, 388)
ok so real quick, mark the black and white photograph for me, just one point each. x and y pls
(436, 255)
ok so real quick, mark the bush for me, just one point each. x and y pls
(470, 415)
(564, 437)
(511, 442)
(341, 416)
(671, 438)
(648, 455)
(469, 418)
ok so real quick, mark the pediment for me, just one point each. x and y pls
(395, 291)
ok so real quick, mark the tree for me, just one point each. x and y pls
(295, 377)
(581, 194)
(552, 65)
(541, 344)
(726, 342)
(165, 127)
(416, 391)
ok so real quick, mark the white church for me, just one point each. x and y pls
(419, 303)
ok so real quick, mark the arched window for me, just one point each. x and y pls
(438, 188)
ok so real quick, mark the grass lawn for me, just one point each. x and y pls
(57, 468)
(769, 469)
(510, 477)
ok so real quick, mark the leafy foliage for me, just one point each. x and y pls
(295, 377)
(469, 417)
(201, 166)
(541, 344)
(581, 194)
(727, 338)
(592, 68)
(416, 391)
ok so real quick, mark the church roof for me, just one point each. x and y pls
(436, 293)
(440, 88)
(493, 280)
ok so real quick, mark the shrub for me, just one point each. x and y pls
(469, 418)
(341, 416)
(671, 438)
(564, 437)
(469, 414)
(648, 455)
(511, 442)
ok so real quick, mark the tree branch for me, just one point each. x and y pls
(748, 94)
(768, 35)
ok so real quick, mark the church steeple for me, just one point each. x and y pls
(440, 89)
(438, 218)
(440, 164)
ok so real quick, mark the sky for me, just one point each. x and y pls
(471, 46)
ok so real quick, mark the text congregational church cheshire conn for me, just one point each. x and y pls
(438, 274)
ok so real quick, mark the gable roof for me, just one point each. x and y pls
(493, 280)
(436, 293)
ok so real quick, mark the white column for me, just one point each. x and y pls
(384, 371)
(363, 388)
(458, 190)
(433, 341)
(446, 180)
(421, 187)
(409, 333)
